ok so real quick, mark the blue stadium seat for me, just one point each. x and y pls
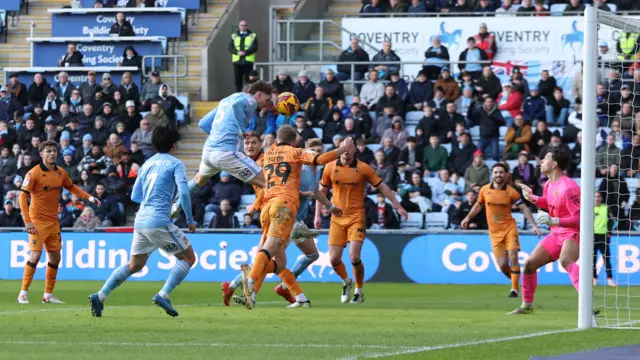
(348, 100)
(413, 117)
(374, 147)
(475, 133)
(512, 164)
(519, 218)
(503, 131)
(437, 220)
(446, 146)
(490, 163)
(557, 9)
(431, 181)
(414, 221)
(372, 115)
(632, 184)
(246, 200)
(181, 114)
(240, 216)
(143, 114)
(318, 132)
(411, 130)
(207, 219)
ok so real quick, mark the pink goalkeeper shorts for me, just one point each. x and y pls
(553, 242)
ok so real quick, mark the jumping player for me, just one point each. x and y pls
(498, 198)
(348, 177)
(155, 187)
(282, 164)
(43, 184)
(561, 197)
(226, 125)
(301, 235)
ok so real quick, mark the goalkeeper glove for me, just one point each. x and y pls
(545, 219)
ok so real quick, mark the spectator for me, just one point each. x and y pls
(342, 107)
(248, 222)
(534, 107)
(63, 87)
(629, 158)
(391, 152)
(375, 7)
(243, 48)
(558, 108)
(224, 217)
(420, 92)
(128, 88)
(283, 82)
(130, 58)
(525, 173)
(51, 104)
(8, 166)
(384, 214)
(142, 138)
(520, 84)
(64, 217)
(305, 131)
(8, 136)
(526, 8)
(509, 103)
(471, 59)
(396, 133)
(439, 190)
(476, 175)
(350, 129)
(37, 91)
(448, 85)
(128, 170)
(391, 99)
(616, 192)
(480, 221)
(417, 194)
(96, 162)
(547, 85)
(87, 220)
(446, 123)
(540, 9)
(434, 157)
(74, 133)
(304, 88)
(540, 138)
(253, 77)
(382, 60)
(168, 103)
(575, 7)
(396, 7)
(157, 116)
(89, 88)
(362, 118)
(69, 165)
(110, 118)
(225, 189)
(601, 5)
(412, 155)
(354, 53)
(384, 169)
(132, 118)
(333, 89)
(72, 58)
(507, 9)
(8, 104)
(466, 103)
(318, 109)
(488, 85)
(10, 216)
(363, 153)
(27, 132)
(381, 124)
(86, 183)
(607, 156)
(332, 127)
(462, 6)
(518, 137)
(436, 58)
(150, 91)
(422, 6)
(114, 149)
(576, 157)
(489, 119)
(119, 107)
(87, 119)
(263, 122)
(108, 87)
(462, 151)
(18, 89)
(372, 91)
(75, 102)
(427, 125)
(483, 7)
(122, 26)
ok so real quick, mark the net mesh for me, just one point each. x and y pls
(616, 291)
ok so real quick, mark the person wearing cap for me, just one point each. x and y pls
(37, 92)
(526, 7)
(63, 87)
(333, 89)
(108, 87)
(476, 175)
(282, 82)
(517, 138)
(435, 58)
(75, 134)
(382, 58)
(509, 103)
(400, 86)
(18, 89)
(318, 109)
(10, 216)
(243, 47)
(354, 53)
(67, 162)
(50, 129)
(8, 104)
(122, 26)
(390, 98)
(128, 89)
(489, 119)
(168, 103)
(520, 83)
(85, 148)
(449, 86)
(150, 90)
(88, 88)
(471, 58)
(38, 115)
(132, 118)
(372, 91)
(304, 88)
(110, 117)
(72, 58)
(420, 92)
(253, 76)
(575, 7)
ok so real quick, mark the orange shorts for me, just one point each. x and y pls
(503, 241)
(277, 218)
(48, 235)
(347, 228)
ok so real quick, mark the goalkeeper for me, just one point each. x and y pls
(601, 235)
(561, 198)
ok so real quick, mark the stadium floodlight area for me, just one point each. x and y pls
(619, 306)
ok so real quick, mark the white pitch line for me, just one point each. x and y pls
(456, 345)
(192, 344)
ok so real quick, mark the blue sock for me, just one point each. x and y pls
(302, 264)
(118, 276)
(236, 282)
(193, 186)
(178, 273)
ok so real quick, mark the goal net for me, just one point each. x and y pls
(609, 174)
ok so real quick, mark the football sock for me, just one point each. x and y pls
(271, 267)
(358, 271)
(301, 265)
(235, 283)
(178, 273)
(529, 284)
(50, 278)
(288, 278)
(342, 272)
(118, 276)
(515, 277)
(259, 267)
(27, 277)
(574, 274)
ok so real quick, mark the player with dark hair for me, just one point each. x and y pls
(498, 198)
(157, 181)
(561, 198)
(43, 185)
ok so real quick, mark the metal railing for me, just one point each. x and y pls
(175, 74)
(285, 40)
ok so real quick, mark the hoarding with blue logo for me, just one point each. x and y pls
(75, 76)
(102, 53)
(187, 4)
(156, 23)
(10, 5)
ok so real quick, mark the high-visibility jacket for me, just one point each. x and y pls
(628, 45)
(486, 44)
(237, 42)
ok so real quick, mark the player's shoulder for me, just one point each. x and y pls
(485, 188)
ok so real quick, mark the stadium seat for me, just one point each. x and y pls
(327, 147)
(503, 131)
(181, 115)
(613, 7)
(431, 181)
(143, 114)
(519, 218)
(246, 200)
(557, 9)
(512, 164)
(414, 221)
(207, 219)
(239, 216)
(475, 133)
(437, 220)
(413, 117)
(411, 130)
(372, 115)
(558, 129)
(632, 184)
(598, 181)
(374, 147)
(373, 197)
(446, 146)
(348, 100)
(318, 132)
(571, 145)
(489, 163)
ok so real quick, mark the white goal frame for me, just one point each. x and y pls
(593, 17)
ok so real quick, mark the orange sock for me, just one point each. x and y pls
(290, 281)
(271, 267)
(259, 267)
(341, 271)
(27, 276)
(515, 277)
(50, 278)
(358, 271)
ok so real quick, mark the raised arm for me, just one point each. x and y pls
(207, 121)
(310, 159)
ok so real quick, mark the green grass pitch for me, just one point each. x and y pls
(397, 321)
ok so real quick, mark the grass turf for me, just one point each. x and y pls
(399, 321)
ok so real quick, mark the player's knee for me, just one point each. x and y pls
(313, 257)
(529, 268)
(134, 267)
(355, 259)
(35, 256)
(54, 257)
(335, 260)
(566, 261)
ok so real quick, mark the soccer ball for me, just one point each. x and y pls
(287, 104)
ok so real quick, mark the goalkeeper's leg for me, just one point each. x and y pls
(568, 258)
(539, 258)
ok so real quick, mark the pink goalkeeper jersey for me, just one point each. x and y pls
(562, 200)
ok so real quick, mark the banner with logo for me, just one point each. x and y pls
(75, 77)
(102, 53)
(11, 5)
(158, 23)
(187, 4)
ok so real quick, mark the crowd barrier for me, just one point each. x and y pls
(76, 74)
(187, 4)
(166, 22)
(447, 257)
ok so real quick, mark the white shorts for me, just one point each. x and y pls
(170, 239)
(235, 163)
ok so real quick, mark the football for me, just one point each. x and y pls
(287, 104)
